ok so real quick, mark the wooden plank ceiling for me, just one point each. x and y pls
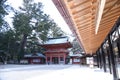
(82, 15)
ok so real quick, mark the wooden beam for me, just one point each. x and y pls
(111, 6)
(82, 7)
(99, 14)
(112, 12)
(83, 21)
(83, 12)
(79, 3)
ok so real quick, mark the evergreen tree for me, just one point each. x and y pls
(55, 31)
(2, 12)
(31, 20)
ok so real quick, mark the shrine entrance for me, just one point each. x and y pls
(56, 50)
(55, 60)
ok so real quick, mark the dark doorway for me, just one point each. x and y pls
(55, 60)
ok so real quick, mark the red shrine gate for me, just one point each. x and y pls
(56, 50)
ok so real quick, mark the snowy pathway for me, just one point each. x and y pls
(52, 72)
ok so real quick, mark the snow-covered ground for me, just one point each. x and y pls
(52, 72)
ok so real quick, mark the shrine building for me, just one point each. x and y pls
(35, 58)
(57, 50)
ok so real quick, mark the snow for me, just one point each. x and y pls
(57, 40)
(72, 55)
(35, 55)
(52, 72)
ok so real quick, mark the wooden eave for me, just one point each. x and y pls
(81, 17)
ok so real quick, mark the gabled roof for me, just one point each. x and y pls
(57, 40)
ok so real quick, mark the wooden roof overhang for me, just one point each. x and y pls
(89, 20)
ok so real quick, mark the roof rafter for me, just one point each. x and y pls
(99, 14)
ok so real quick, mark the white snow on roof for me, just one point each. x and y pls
(72, 54)
(57, 40)
(79, 55)
(28, 55)
(34, 55)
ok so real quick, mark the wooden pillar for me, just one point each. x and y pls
(64, 58)
(109, 61)
(46, 60)
(112, 57)
(50, 59)
(104, 59)
(58, 59)
(98, 61)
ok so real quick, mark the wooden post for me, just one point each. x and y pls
(112, 57)
(100, 58)
(46, 60)
(50, 59)
(98, 61)
(104, 60)
(109, 60)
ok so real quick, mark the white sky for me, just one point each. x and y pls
(50, 9)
